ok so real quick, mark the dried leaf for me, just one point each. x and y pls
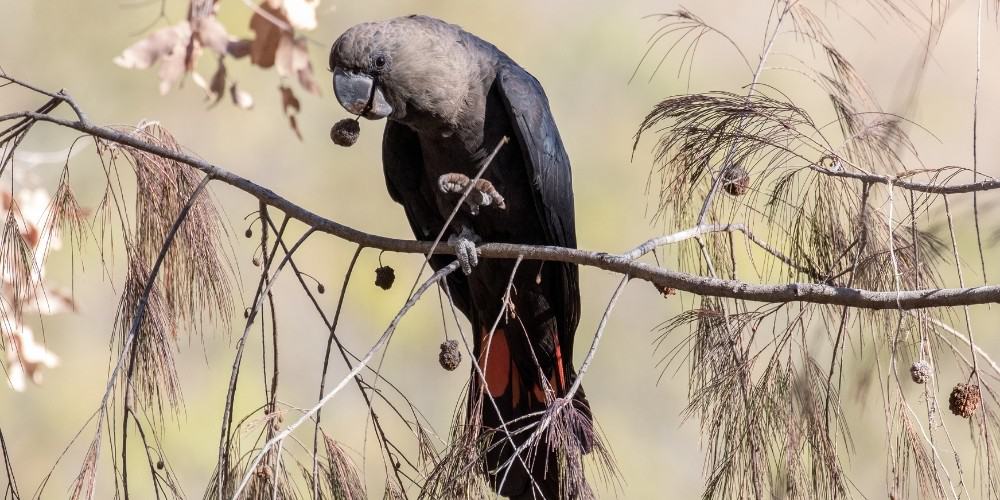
(32, 210)
(267, 35)
(172, 69)
(157, 45)
(301, 13)
(240, 97)
(218, 86)
(289, 103)
(239, 48)
(303, 67)
(307, 81)
(294, 124)
(292, 59)
(25, 357)
(201, 82)
(283, 57)
(172, 47)
(41, 299)
(49, 301)
(212, 34)
(291, 106)
(215, 89)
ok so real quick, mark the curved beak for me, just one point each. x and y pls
(356, 90)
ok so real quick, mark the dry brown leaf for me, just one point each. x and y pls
(294, 124)
(173, 66)
(218, 86)
(239, 48)
(301, 13)
(212, 34)
(41, 299)
(267, 35)
(289, 103)
(201, 82)
(50, 301)
(173, 47)
(25, 357)
(291, 106)
(292, 59)
(157, 45)
(31, 210)
(240, 97)
(283, 58)
(303, 67)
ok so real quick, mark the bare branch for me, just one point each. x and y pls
(972, 187)
(790, 292)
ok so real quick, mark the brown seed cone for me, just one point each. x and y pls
(921, 372)
(385, 276)
(345, 132)
(264, 471)
(450, 357)
(736, 180)
(964, 400)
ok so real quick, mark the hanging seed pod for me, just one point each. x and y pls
(384, 277)
(248, 233)
(736, 180)
(450, 357)
(264, 471)
(320, 288)
(921, 372)
(964, 400)
(160, 465)
(345, 132)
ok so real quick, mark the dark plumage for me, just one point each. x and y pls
(449, 98)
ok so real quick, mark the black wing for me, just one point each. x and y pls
(402, 163)
(549, 171)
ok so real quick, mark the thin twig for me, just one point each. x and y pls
(549, 415)
(140, 314)
(972, 187)
(438, 276)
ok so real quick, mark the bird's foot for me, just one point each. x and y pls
(483, 193)
(465, 249)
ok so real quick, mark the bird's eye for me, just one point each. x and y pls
(380, 62)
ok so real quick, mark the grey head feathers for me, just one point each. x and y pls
(429, 71)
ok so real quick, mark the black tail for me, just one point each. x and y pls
(526, 376)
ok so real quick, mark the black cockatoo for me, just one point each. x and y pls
(449, 98)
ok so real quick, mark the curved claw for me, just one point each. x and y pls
(490, 194)
(453, 183)
(465, 250)
(483, 193)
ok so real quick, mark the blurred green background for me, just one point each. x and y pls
(583, 52)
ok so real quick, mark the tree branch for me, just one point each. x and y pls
(972, 187)
(700, 285)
